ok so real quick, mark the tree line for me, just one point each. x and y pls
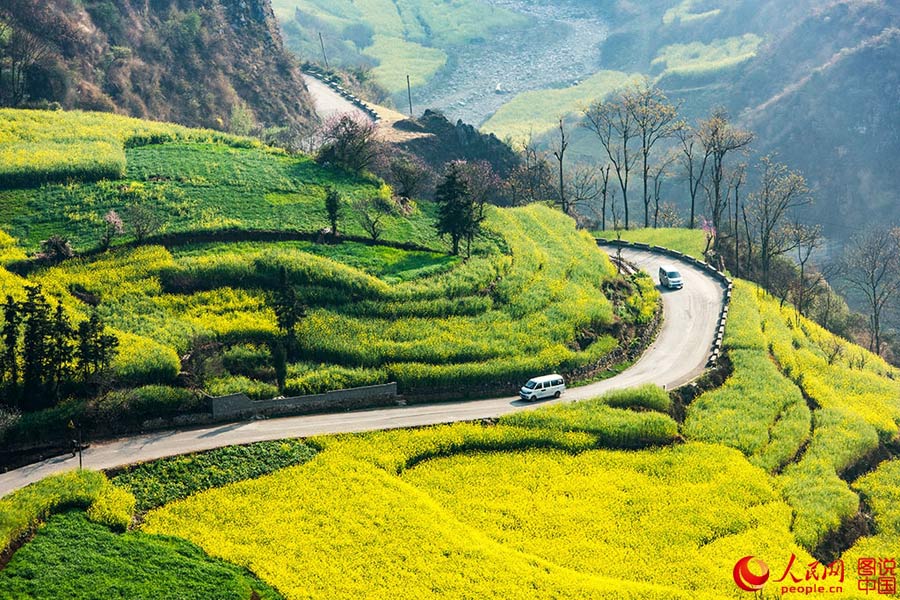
(461, 191)
(45, 356)
(752, 214)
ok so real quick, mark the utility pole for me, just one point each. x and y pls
(322, 43)
(409, 95)
(78, 445)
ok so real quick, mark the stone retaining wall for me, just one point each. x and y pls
(239, 405)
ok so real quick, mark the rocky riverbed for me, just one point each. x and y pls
(559, 47)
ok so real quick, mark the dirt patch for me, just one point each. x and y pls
(839, 541)
(867, 463)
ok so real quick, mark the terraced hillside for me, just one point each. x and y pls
(792, 460)
(191, 299)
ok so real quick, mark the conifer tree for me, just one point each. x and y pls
(61, 351)
(9, 367)
(35, 346)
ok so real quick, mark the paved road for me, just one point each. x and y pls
(678, 355)
(328, 102)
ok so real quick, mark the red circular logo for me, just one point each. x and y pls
(746, 579)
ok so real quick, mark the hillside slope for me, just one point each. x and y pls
(821, 89)
(195, 62)
(187, 238)
(835, 105)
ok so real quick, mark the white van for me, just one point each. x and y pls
(670, 277)
(547, 386)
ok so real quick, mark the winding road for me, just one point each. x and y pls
(678, 355)
(328, 102)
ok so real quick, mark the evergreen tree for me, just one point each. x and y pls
(95, 349)
(279, 363)
(457, 214)
(9, 367)
(35, 348)
(288, 311)
(60, 352)
(333, 208)
(85, 350)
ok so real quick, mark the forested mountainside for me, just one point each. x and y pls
(815, 80)
(826, 96)
(208, 63)
(820, 87)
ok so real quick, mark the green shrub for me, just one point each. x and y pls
(142, 361)
(304, 379)
(238, 384)
(642, 306)
(613, 428)
(249, 360)
(45, 426)
(132, 407)
(651, 397)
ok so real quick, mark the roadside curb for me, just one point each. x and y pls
(727, 283)
(334, 83)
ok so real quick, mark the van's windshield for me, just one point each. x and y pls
(531, 383)
(673, 274)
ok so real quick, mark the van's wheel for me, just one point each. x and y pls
(556, 395)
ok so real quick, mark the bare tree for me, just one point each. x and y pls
(605, 193)
(144, 221)
(871, 266)
(532, 180)
(735, 181)
(306, 138)
(481, 180)
(584, 186)
(655, 119)
(780, 191)
(834, 347)
(658, 175)
(350, 142)
(409, 175)
(22, 51)
(559, 153)
(718, 138)
(829, 305)
(613, 123)
(5, 32)
(669, 215)
(371, 213)
(806, 239)
(694, 157)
